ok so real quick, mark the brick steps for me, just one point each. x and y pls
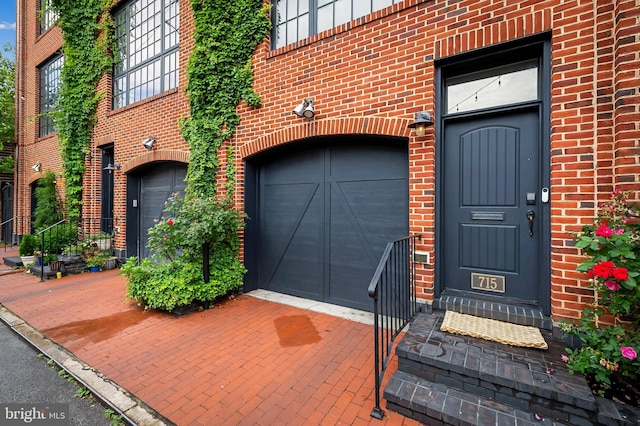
(435, 404)
(449, 379)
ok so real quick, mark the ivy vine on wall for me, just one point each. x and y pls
(87, 29)
(220, 76)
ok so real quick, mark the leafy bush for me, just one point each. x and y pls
(58, 237)
(48, 209)
(173, 284)
(612, 245)
(28, 245)
(173, 276)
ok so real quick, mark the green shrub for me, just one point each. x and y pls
(178, 283)
(58, 237)
(612, 264)
(173, 276)
(28, 245)
(48, 209)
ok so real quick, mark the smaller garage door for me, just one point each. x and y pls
(325, 214)
(156, 186)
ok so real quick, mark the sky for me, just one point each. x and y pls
(8, 22)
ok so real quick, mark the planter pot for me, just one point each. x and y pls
(109, 263)
(94, 268)
(104, 243)
(55, 265)
(26, 260)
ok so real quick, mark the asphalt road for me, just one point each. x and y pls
(27, 379)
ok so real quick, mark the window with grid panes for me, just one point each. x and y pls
(295, 20)
(49, 86)
(147, 40)
(46, 16)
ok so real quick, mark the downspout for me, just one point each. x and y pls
(19, 52)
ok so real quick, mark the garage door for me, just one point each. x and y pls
(156, 186)
(325, 215)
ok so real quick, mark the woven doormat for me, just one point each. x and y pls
(496, 331)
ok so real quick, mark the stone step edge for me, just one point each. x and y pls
(425, 402)
(548, 385)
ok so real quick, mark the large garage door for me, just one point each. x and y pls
(155, 188)
(325, 215)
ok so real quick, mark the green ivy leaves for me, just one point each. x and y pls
(86, 27)
(220, 76)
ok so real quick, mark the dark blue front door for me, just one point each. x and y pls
(491, 220)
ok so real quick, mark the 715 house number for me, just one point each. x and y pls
(487, 282)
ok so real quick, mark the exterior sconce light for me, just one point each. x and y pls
(36, 167)
(148, 142)
(111, 167)
(305, 109)
(421, 122)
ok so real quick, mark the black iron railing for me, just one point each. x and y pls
(393, 290)
(72, 238)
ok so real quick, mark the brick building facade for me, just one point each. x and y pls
(324, 194)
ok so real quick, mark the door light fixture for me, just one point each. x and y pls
(421, 122)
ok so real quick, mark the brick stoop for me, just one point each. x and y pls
(444, 378)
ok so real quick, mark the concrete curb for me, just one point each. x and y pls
(132, 409)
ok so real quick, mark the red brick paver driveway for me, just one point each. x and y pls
(246, 361)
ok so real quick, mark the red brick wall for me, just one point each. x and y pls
(371, 76)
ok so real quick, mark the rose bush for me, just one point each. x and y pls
(173, 276)
(609, 349)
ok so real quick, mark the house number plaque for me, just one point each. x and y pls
(487, 282)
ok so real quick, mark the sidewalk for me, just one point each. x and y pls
(247, 361)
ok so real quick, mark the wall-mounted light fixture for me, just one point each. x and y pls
(111, 167)
(421, 122)
(148, 142)
(305, 109)
(36, 167)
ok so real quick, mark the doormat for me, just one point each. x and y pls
(496, 331)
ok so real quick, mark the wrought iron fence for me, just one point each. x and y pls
(393, 290)
(70, 238)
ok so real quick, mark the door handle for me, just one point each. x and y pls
(530, 216)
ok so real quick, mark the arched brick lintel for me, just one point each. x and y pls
(333, 126)
(154, 156)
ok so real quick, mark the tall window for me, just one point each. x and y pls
(298, 19)
(147, 40)
(49, 85)
(46, 16)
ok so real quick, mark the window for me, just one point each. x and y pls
(46, 16)
(147, 40)
(493, 87)
(49, 85)
(298, 19)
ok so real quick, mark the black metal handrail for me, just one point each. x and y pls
(6, 229)
(71, 238)
(393, 290)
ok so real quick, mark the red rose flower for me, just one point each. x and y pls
(169, 222)
(604, 231)
(621, 274)
(603, 269)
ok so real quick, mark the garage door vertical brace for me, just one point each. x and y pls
(393, 290)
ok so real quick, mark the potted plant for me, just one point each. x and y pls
(28, 246)
(95, 263)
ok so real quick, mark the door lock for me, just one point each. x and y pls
(530, 216)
